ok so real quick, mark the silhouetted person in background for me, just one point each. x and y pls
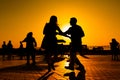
(76, 33)
(21, 51)
(114, 45)
(9, 49)
(30, 47)
(4, 50)
(49, 42)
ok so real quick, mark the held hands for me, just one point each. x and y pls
(63, 34)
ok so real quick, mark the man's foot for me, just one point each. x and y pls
(68, 67)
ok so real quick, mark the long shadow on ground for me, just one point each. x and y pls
(24, 68)
(27, 68)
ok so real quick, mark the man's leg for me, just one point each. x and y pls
(72, 61)
(33, 58)
(28, 58)
(81, 67)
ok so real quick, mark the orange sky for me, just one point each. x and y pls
(98, 18)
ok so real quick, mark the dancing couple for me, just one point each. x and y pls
(49, 42)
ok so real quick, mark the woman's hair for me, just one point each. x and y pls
(53, 19)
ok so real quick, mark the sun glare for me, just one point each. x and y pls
(65, 27)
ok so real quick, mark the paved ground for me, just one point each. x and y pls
(98, 67)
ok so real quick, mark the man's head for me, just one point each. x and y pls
(29, 34)
(73, 21)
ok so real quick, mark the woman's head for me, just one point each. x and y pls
(53, 19)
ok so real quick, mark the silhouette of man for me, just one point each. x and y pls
(9, 49)
(30, 47)
(49, 42)
(21, 51)
(4, 49)
(114, 45)
(76, 33)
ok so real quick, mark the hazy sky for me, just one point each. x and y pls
(100, 19)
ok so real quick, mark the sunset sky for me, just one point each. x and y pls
(100, 19)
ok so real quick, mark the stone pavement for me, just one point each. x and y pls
(98, 67)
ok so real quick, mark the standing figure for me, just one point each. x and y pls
(114, 45)
(9, 49)
(4, 50)
(76, 33)
(49, 42)
(30, 47)
(21, 51)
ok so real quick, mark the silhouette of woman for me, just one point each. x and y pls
(49, 43)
